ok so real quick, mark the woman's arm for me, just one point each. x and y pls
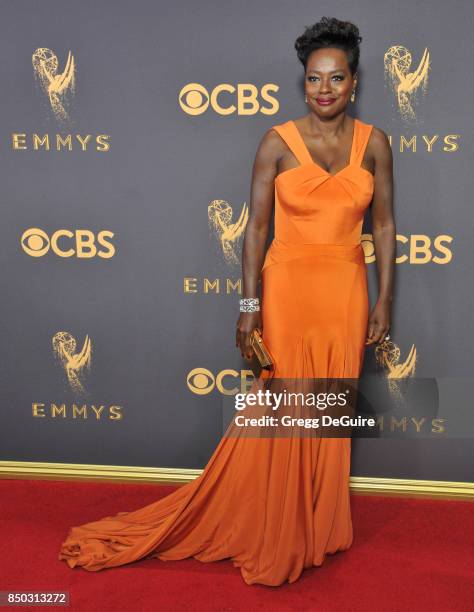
(384, 234)
(264, 171)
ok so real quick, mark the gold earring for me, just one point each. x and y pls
(353, 97)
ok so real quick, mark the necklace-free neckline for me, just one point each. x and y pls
(310, 158)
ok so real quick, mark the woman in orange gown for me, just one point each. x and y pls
(278, 505)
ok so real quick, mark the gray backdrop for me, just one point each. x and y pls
(152, 189)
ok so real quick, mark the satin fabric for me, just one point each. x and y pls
(274, 506)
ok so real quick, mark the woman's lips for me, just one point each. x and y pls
(325, 102)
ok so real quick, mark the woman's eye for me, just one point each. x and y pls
(337, 76)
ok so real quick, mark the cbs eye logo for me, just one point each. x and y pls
(225, 99)
(202, 381)
(65, 243)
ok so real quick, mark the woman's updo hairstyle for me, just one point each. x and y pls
(330, 32)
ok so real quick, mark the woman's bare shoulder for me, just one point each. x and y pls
(271, 143)
(379, 146)
(379, 138)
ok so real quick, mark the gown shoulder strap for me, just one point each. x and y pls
(362, 136)
(290, 134)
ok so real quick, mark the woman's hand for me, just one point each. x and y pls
(379, 322)
(247, 322)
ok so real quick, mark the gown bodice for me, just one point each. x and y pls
(313, 206)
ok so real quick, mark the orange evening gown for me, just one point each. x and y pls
(273, 506)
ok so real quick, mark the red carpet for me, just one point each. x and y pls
(408, 554)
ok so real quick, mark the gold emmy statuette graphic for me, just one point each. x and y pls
(56, 85)
(406, 85)
(387, 354)
(64, 346)
(229, 234)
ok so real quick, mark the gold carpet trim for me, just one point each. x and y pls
(366, 485)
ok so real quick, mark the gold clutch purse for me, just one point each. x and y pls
(260, 349)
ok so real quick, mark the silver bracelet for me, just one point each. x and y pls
(249, 304)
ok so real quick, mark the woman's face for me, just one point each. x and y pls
(328, 77)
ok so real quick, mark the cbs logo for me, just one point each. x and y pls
(225, 99)
(65, 243)
(416, 249)
(228, 382)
